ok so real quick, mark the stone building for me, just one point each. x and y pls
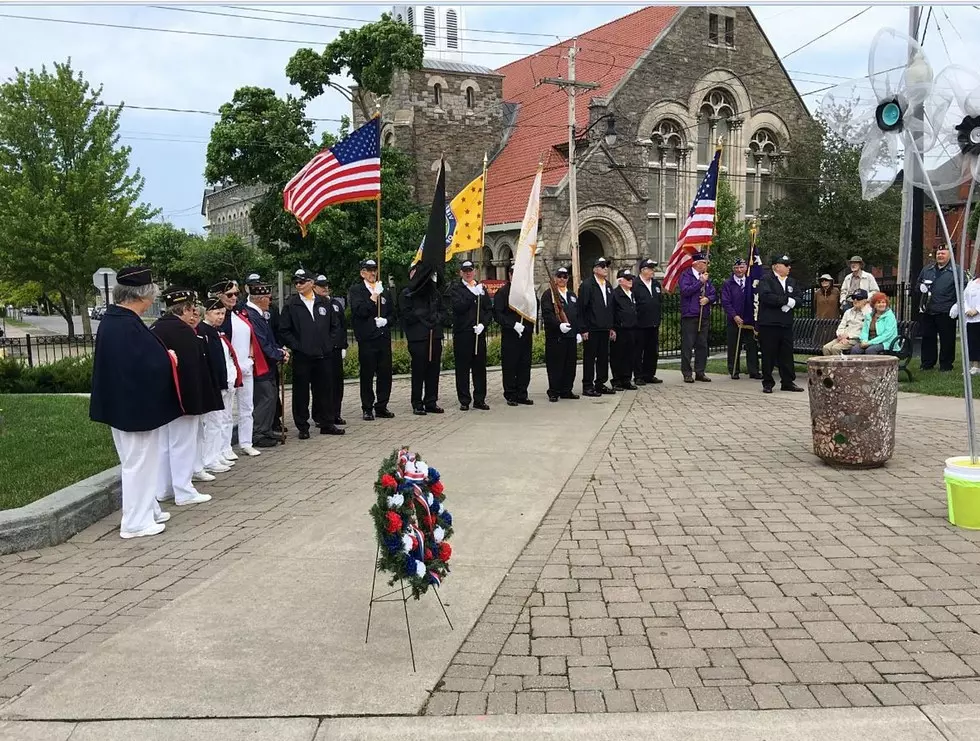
(674, 79)
(226, 208)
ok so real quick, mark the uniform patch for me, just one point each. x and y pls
(335, 307)
(789, 289)
(323, 311)
(572, 299)
(657, 289)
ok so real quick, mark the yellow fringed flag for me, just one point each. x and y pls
(464, 221)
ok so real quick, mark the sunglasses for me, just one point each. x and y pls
(231, 294)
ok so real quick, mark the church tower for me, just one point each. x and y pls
(440, 26)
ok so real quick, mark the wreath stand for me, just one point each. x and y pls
(393, 596)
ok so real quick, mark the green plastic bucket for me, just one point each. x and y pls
(963, 492)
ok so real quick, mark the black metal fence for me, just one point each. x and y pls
(43, 349)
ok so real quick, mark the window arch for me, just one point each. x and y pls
(764, 152)
(452, 30)
(429, 23)
(411, 17)
(437, 94)
(388, 139)
(470, 97)
(666, 156)
(714, 120)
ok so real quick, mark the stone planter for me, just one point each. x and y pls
(853, 401)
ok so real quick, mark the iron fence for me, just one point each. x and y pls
(44, 349)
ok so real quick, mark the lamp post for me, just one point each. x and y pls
(610, 139)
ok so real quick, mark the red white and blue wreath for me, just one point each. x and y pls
(411, 522)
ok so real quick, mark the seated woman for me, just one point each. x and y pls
(880, 331)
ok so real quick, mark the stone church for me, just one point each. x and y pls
(671, 79)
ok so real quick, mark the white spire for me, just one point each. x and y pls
(441, 27)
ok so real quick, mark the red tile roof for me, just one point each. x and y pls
(605, 56)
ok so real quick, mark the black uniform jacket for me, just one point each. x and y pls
(363, 312)
(133, 386)
(338, 336)
(197, 393)
(624, 309)
(595, 314)
(569, 304)
(422, 313)
(772, 297)
(648, 311)
(506, 317)
(309, 335)
(216, 356)
(464, 304)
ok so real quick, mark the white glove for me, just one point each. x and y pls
(791, 303)
(785, 308)
(954, 311)
(565, 327)
(343, 354)
(380, 321)
(378, 288)
(578, 339)
(479, 288)
(519, 328)
(478, 329)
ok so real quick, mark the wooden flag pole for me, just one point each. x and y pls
(483, 237)
(714, 228)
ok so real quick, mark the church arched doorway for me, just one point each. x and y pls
(590, 247)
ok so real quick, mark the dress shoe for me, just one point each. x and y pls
(791, 387)
(482, 406)
(331, 430)
(384, 413)
(202, 475)
(339, 421)
(511, 403)
(419, 412)
(605, 390)
(702, 378)
(735, 376)
(630, 387)
(570, 395)
(526, 402)
(266, 442)
(655, 380)
(552, 397)
(368, 416)
(767, 389)
(249, 451)
(464, 407)
(154, 529)
(590, 393)
(304, 435)
(640, 382)
(688, 379)
(755, 376)
(435, 409)
(198, 498)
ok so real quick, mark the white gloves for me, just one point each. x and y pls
(954, 311)
(565, 327)
(924, 288)
(380, 321)
(343, 354)
(785, 308)
(578, 339)
(519, 328)
(476, 290)
(378, 288)
(791, 303)
(478, 329)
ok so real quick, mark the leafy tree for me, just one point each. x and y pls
(19, 294)
(70, 204)
(159, 246)
(370, 55)
(203, 262)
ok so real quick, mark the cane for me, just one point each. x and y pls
(738, 352)
(282, 401)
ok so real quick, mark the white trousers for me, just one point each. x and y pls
(177, 450)
(227, 419)
(139, 455)
(245, 405)
(213, 437)
(199, 447)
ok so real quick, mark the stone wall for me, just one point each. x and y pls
(227, 210)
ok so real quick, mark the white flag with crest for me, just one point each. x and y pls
(523, 299)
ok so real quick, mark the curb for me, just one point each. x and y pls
(59, 516)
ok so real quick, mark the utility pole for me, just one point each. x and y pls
(570, 86)
(913, 200)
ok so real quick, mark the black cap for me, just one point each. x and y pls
(648, 263)
(562, 271)
(369, 264)
(600, 262)
(321, 280)
(134, 275)
(222, 286)
(738, 262)
(175, 296)
(625, 273)
(301, 276)
(213, 303)
(466, 265)
(699, 257)
(253, 279)
(859, 295)
(261, 289)
(781, 260)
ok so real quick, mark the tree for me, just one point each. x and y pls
(731, 239)
(370, 55)
(822, 220)
(159, 246)
(203, 262)
(70, 204)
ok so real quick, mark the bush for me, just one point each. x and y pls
(66, 376)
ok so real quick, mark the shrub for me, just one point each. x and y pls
(66, 376)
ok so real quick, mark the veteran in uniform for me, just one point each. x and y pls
(596, 318)
(472, 313)
(321, 286)
(516, 341)
(647, 292)
(777, 299)
(561, 337)
(371, 309)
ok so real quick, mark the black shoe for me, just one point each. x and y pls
(339, 421)
(526, 402)
(702, 378)
(464, 407)
(791, 387)
(927, 367)
(419, 412)
(735, 376)
(331, 430)
(482, 406)
(265, 442)
(655, 380)
(368, 416)
(569, 395)
(605, 390)
(552, 397)
(304, 435)
(630, 387)
(640, 382)
(511, 403)
(688, 379)
(383, 413)
(767, 389)
(755, 376)
(435, 409)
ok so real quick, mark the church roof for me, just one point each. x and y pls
(606, 55)
(449, 66)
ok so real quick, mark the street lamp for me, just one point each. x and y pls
(610, 138)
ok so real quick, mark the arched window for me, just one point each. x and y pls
(389, 139)
(666, 155)
(759, 171)
(506, 255)
(717, 110)
(411, 17)
(429, 21)
(452, 30)
(399, 18)
(437, 94)
(470, 97)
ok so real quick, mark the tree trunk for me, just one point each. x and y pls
(65, 311)
(86, 319)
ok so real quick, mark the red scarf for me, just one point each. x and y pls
(234, 359)
(173, 370)
(258, 357)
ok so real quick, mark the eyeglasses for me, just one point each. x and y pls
(231, 294)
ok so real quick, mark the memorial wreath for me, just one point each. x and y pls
(411, 522)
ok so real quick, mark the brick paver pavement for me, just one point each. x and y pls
(701, 557)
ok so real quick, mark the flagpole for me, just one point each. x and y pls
(483, 239)
(377, 210)
(714, 231)
(750, 262)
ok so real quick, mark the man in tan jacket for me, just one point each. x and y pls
(858, 278)
(849, 328)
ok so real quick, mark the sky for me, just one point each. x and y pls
(182, 70)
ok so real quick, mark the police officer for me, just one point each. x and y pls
(472, 312)
(561, 337)
(623, 350)
(647, 293)
(596, 316)
(777, 299)
(371, 309)
(422, 317)
(516, 340)
(321, 286)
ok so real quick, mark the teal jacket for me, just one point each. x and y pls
(886, 328)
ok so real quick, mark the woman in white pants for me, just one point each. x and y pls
(238, 330)
(134, 391)
(227, 377)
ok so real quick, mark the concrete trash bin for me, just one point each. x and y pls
(853, 400)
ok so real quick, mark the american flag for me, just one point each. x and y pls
(699, 228)
(348, 171)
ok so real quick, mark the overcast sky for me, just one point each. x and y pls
(186, 71)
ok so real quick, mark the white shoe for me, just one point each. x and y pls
(165, 497)
(155, 529)
(218, 468)
(225, 462)
(249, 450)
(974, 371)
(229, 455)
(161, 518)
(202, 475)
(198, 498)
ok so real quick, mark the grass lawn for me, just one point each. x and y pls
(47, 443)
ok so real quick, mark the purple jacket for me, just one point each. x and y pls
(690, 290)
(733, 299)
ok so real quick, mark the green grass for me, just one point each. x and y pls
(47, 443)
